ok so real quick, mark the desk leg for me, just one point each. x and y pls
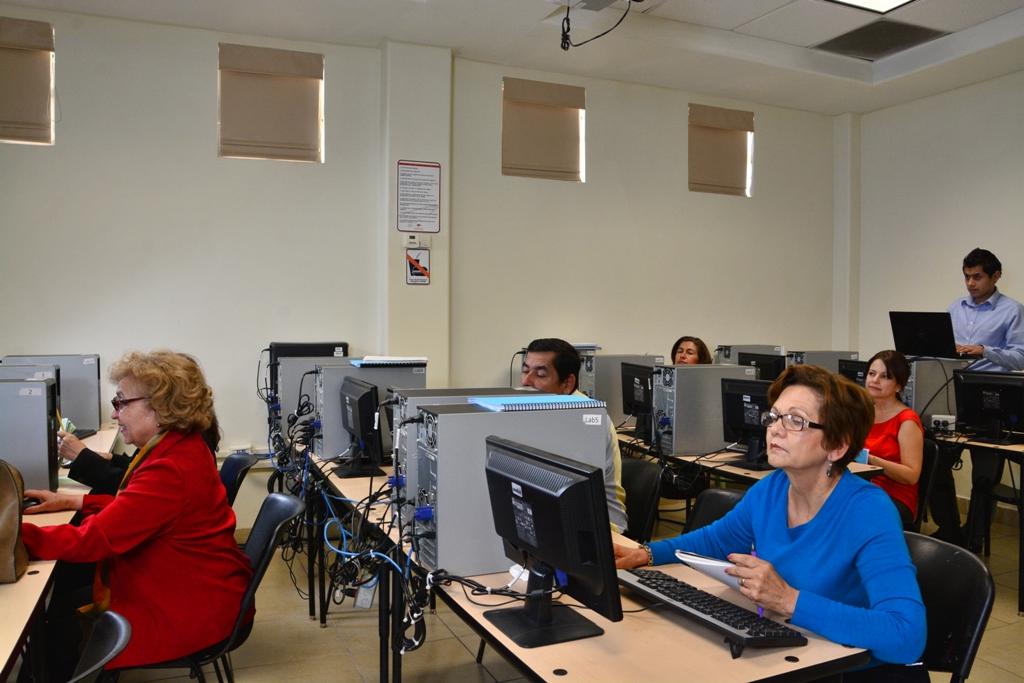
(321, 558)
(311, 551)
(397, 633)
(384, 620)
(1020, 556)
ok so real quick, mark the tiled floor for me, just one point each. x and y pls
(286, 645)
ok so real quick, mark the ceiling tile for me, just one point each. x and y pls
(807, 22)
(724, 14)
(952, 15)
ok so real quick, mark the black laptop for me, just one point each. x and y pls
(923, 334)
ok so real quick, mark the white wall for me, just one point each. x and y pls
(631, 259)
(940, 176)
(130, 233)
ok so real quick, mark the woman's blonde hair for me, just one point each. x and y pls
(177, 390)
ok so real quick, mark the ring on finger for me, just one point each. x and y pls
(741, 582)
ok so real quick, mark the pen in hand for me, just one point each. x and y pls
(753, 553)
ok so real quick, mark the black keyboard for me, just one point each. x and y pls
(740, 626)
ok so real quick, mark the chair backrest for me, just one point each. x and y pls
(712, 504)
(276, 513)
(958, 592)
(925, 481)
(642, 481)
(233, 471)
(110, 634)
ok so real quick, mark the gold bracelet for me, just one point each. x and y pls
(650, 554)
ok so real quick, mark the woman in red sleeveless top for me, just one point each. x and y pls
(896, 441)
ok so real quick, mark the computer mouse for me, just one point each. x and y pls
(29, 502)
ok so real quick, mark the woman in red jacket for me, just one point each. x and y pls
(165, 547)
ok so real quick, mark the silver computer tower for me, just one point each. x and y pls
(605, 372)
(28, 430)
(929, 389)
(730, 353)
(79, 385)
(36, 372)
(333, 439)
(453, 524)
(688, 406)
(405, 425)
(826, 359)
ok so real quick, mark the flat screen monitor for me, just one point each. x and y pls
(743, 402)
(854, 370)
(360, 417)
(637, 396)
(990, 405)
(552, 515)
(769, 366)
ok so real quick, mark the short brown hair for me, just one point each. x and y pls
(177, 390)
(847, 411)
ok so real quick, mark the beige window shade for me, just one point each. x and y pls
(540, 129)
(26, 81)
(718, 150)
(271, 103)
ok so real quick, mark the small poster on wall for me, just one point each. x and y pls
(419, 196)
(417, 266)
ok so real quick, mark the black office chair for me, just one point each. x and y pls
(958, 593)
(682, 481)
(277, 511)
(711, 505)
(110, 634)
(233, 471)
(924, 483)
(642, 481)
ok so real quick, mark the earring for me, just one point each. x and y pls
(828, 470)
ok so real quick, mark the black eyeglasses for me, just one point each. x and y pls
(793, 423)
(120, 403)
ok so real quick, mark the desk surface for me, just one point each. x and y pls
(967, 442)
(640, 646)
(719, 462)
(658, 645)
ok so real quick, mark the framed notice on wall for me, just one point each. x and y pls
(419, 196)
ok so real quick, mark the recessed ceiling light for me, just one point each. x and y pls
(880, 6)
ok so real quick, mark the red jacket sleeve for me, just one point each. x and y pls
(147, 505)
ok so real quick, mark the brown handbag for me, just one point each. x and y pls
(13, 556)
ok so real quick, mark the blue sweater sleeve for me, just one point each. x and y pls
(893, 625)
(731, 534)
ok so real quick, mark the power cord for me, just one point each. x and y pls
(567, 41)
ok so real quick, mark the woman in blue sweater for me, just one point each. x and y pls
(830, 553)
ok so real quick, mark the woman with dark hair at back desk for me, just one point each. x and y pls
(690, 351)
(830, 553)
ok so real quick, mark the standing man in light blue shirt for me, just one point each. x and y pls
(987, 325)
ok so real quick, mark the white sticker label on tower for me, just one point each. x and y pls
(30, 392)
(592, 420)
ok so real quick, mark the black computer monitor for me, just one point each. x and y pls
(552, 514)
(359, 417)
(990, 405)
(743, 402)
(769, 366)
(854, 370)
(638, 396)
